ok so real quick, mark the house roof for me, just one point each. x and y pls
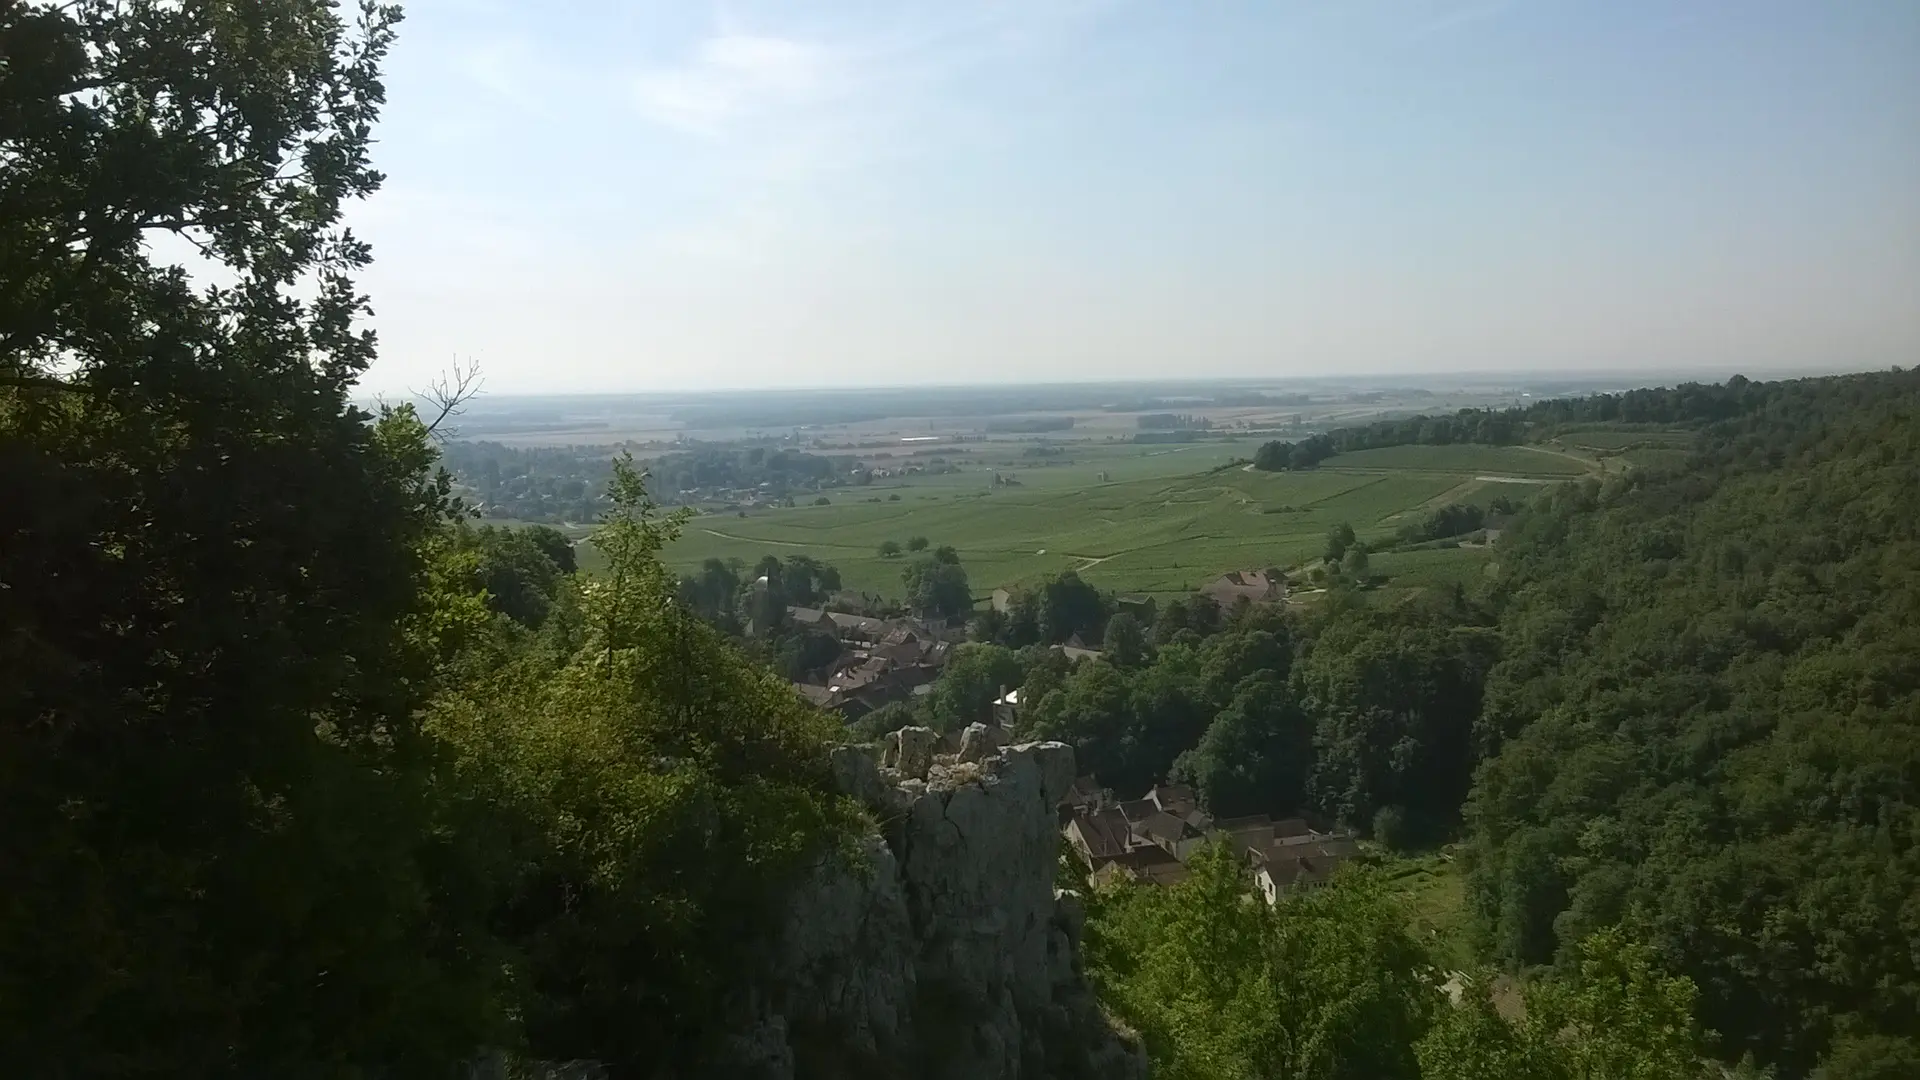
(1146, 863)
(1164, 828)
(1074, 652)
(1173, 798)
(1252, 584)
(1138, 809)
(817, 695)
(1101, 833)
(1292, 826)
(805, 614)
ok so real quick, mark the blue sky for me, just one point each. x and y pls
(625, 196)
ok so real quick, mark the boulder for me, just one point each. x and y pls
(980, 740)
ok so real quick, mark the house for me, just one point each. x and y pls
(1300, 862)
(857, 627)
(1176, 799)
(1077, 652)
(1170, 833)
(1006, 708)
(1099, 834)
(1085, 793)
(1148, 864)
(810, 617)
(1140, 607)
(1254, 586)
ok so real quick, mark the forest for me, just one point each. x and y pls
(307, 771)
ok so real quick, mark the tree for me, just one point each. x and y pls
(975, 675)
(1069, 606)
(519, 579)
(227, 588)
(889, 549)
(946, 553)
(917, 543)
(1871, 1057)
(554, 545)
(1616, 1015)
(937, 590)
(651, 796)
(1329, 984)
(1124, 642)
(1356, 563)
(1255, 756)
(1339, 539)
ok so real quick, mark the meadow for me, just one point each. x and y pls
(1136, 519)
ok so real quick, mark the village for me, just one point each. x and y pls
(1149, 839)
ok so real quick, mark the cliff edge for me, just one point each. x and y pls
(941, 948)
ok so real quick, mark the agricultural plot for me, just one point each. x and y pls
(1621, 439)
(1516, 461)
(1160, 522)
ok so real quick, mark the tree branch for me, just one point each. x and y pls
(446, 395)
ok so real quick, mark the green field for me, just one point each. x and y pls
(1434, 891)
(1159, 523)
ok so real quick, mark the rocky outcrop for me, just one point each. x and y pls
(939, 948)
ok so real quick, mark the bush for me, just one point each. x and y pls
(823, 501)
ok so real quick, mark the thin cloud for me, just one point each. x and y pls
(732, 76)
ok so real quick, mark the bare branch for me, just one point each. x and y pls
(446, 395)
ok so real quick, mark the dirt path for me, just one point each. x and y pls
(1514, 480)
(757, 540)
(1586, 463)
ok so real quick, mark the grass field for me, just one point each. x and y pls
(1434, 891)
(1136, 519)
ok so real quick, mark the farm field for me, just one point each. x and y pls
(1163, 521)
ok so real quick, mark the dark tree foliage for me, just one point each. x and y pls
(215, 622)
(514, 568)
(936, 589)
(1709, 717)
(1453, 519)
(1689, 403)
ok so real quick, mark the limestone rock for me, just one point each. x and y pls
(910, 751)
(944, 950)
(980, 741)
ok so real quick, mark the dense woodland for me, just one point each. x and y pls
(305, 772)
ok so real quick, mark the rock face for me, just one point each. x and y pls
(941, 948)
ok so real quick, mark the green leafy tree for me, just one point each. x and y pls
(1871, 1057)
(652, 795)
(1339, 539)
(937, 590)
(916, 543)
(1125, 641)
(976, 673)
(1255, 756)
(1356, 564)
(1615, 1016)
(555, 546)
(1329, 984)
(227, 589)
(889, 548)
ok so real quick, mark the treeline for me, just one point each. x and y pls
(1173, 422)
(1685, 715)
(1690, 701)
(1709, 713)
(713, 469)
(553, 484)
(1332, 982)
(1022, 425)
(1687, 404)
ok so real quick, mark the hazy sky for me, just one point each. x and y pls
(667, 194)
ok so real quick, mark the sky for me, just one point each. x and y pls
(592, 195)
